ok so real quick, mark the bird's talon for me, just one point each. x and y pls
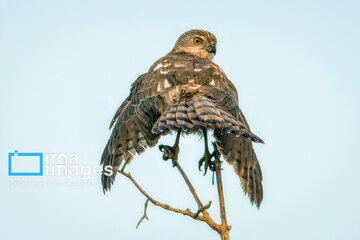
(169, 153)
(201, 163)
(206, 161)
(205, 171)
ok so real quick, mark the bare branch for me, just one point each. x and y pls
(226, 227)
(144, 216)
(223, 229)
(220, 191)
(192, 189)
(204, 218)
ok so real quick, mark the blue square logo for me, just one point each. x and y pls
(25, 164)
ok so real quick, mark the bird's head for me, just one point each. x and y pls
(197, 42)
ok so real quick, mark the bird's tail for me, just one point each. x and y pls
(201, 112)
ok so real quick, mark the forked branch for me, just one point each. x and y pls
(186, 212)
(201, 214)
(144, 216)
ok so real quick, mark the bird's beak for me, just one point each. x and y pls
(212, 49)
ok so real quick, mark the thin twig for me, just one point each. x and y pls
(220, 192)
(192, 189)
(144, 216)
(226, 227)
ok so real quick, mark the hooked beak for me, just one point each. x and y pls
(212, 49)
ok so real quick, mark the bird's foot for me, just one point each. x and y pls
(208, 160)
(170, 152)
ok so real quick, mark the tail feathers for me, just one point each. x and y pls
(201, 112)
(182, 117)
(193, 117)
(207, 112)
(240, 153)
(171, 118)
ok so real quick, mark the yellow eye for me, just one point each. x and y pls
(197, 40)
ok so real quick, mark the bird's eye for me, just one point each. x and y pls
(197, 40)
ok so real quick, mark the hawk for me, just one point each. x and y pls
(185, 92)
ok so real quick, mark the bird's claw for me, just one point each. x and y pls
(170, 153)
(207, 161)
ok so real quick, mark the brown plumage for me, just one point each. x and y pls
(187, 90)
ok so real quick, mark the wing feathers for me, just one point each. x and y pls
(240, 153)
(130, 136)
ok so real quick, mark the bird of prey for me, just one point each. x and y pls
(185, 92)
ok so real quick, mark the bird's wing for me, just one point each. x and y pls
(149, 96)
(238, 151)
(132, 124)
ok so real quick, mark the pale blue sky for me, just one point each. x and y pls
(65, 67)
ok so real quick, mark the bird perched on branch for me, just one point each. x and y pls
(185, 92)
